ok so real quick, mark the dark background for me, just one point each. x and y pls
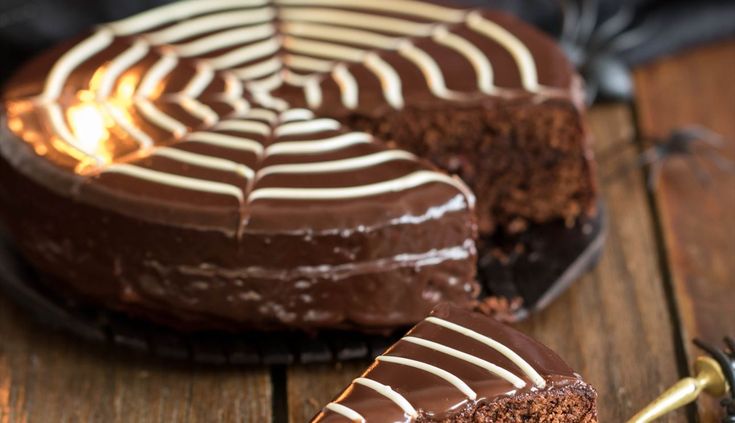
(656, 27)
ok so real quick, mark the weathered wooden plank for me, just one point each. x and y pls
(310, 387)
(612, 326)
(697, 220)
(47, 377)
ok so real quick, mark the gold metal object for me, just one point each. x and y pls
(709, 378)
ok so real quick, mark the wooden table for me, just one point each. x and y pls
(667, 275)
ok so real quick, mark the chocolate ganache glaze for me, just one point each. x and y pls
(452, 367)
(194, 163)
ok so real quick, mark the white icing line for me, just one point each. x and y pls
(474, 55)
(266, 99)
(403, 183)
(296, 114)
(199, 82)
(340, 35)
(517, 49)
(118, 65)
(389, 79)
(347, 85)
(176, 12)
(323, 49)
(309, 64)
(307, 127)
(436, 371)
(59, 123)
(226, 141)
(389, 393)
(198, 110)
(266, 84)
(490, 367)
(358, 20)
(176, 181)
(429, 68)
(263, 114)
(260, 69)
(156, 74)
(247, 126)
(352, 163)
(233, 86)
(119, 117)
(319, 146)
(409, 7)
(239, 106)
(246, 53)
(224, 39)
(160, 119)
(345, 412)
(210, 23)
(313, 92)
(535, 377)
(71, 60)
(202, 160)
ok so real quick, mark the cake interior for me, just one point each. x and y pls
(525, 162)
(571, 404)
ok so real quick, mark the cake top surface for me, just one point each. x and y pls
(223, 106)
(450, 361)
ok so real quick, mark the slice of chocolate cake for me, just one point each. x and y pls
(457, 366)
(206, 163)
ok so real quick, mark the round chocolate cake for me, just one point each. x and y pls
(265, 164)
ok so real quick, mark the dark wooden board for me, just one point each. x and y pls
(48, 377)
(697, 220)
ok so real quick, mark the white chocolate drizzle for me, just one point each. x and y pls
(413, 361)
(537, 379)
(259, 46)
(436, 371)
(345, 411)
(389, 393)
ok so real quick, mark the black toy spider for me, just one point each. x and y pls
(681, 143)
(595, 45)
(726, 359)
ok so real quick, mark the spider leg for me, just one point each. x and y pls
(587, 21)
(722, 162)
(651, 155)
(706, 135)
(646, 158)
(634, 36)
(730, 342)
(702, 174)
(570, 24)
(654, 174)
(611, 27)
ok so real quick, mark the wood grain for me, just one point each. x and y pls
(47, 377)
(311, 387)
(613, 325)
(697, 219)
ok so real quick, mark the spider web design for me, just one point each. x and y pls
(199, 73)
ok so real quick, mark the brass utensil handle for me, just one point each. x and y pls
(709, 378)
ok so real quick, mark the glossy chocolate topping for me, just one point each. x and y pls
(452, 361)
(214, 127)
(201, 104)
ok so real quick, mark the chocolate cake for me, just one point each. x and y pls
(261, 164)
(458, 366)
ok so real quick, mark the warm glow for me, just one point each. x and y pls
(126, 87)
(87, 123)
